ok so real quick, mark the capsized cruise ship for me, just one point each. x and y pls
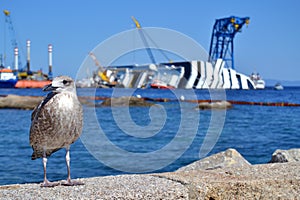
(194, 74)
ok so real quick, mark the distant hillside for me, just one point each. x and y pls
(272, 82)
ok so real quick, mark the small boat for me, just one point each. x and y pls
(278, 86)
(158, 84)
(260, 84)
(7, 78)
(258, 81)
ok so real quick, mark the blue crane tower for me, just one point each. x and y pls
(221, 45)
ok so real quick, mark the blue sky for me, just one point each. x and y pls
(269, 45)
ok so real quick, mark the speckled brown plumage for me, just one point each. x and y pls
(57, 122)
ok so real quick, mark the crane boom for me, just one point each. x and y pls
(221, 45)
(139, 27)
(102, 71)
(92, 55)
(11, 29)
(137, 24)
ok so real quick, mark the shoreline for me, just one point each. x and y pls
(220, 176)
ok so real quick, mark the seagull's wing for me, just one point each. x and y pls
(42, 104)
(41, 129)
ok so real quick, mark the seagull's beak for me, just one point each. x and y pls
(49, 88)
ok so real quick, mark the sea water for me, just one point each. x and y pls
(160, 138)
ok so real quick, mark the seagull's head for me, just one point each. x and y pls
(61, 84)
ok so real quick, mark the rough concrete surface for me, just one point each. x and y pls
(291, 155)
(231, 178)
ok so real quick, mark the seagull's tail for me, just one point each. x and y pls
(39, 154)
(36, 154)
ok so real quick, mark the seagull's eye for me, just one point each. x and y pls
(65, 82)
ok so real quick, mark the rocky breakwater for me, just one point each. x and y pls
(218, 105)
(226, 175)
(19, 102)
(30, 102)
(125, 101)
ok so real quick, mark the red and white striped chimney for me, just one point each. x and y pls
(50, 60)
(28, 54)
(16, 53)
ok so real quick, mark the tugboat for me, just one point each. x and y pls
(258, 81)
(7, 78)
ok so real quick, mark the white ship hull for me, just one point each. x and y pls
(188, 75)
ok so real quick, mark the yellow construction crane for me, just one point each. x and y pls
(143, 35)
(6, 12)
(137, 24)
(102, 71)
(14, 42)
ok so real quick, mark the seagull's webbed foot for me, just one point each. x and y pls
(70, 182)
(47, 183)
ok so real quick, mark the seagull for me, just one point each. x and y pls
(56, 123)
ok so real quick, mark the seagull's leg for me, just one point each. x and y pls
(47, 183)
(70, 182)
(68, 164)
